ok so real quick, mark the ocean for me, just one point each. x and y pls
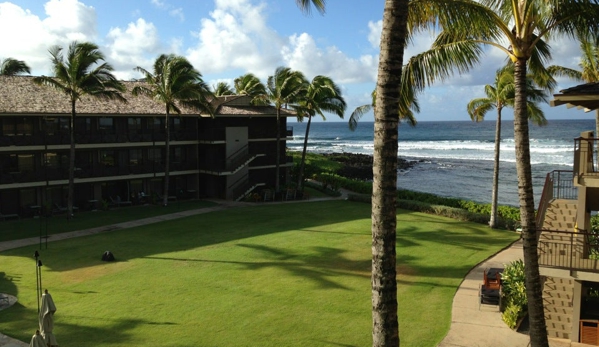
(455, 158)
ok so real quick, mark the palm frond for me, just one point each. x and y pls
(13, 67)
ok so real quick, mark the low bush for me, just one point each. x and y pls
(511, 316)
(322, 189)
(513, 292)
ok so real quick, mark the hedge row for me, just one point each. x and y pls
(443, 210)
(508, 216)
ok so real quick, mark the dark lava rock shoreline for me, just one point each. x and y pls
(359, 166)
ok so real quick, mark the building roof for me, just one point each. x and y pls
(20, 96)
(583, 96)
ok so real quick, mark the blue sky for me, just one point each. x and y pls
(227, 38)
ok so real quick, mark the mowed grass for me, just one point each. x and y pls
(267, 275)
(14, 229)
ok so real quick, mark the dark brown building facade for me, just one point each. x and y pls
(120, 149)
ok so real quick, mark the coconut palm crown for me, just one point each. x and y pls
(322, 95)
(13, 67)
(174, 83)
(518, 28)
(82, 72)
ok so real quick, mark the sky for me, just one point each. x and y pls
(225, 39)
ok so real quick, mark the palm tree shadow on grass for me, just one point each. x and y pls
(320, 265)
(19, 319)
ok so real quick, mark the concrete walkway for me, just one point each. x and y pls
(481, 326)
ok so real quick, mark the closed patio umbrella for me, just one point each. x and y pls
(37, 340)
(46, 319)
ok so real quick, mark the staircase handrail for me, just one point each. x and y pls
(559, 184)
(237, 158)
(570, 250)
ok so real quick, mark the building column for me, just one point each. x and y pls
(576, 303)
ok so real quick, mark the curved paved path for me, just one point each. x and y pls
(472, 326)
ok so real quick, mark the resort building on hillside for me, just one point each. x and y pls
(567, 246)
(120, 149)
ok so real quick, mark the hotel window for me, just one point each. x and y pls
(9, 163)
(25, 162)
(155, 155)
(158, 124)
(64, 124)
(107, 158)
(134, 124)
(106, 124)
(83, 125)
(52, 160)
(176, 124)
(24, 126)
(135, 157)
(51, 125)
(8, 126)
(177, 154)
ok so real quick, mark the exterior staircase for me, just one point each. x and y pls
(560, 215)
(557, 299)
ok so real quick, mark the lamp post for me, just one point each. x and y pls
(38, 278)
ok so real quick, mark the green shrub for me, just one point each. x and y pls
(513, 291)
(320, 188)
(322, 169)
(511, 316)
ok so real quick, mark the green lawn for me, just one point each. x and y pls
(269, 275)
(32, 227)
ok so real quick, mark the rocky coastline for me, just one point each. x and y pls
(359, 166)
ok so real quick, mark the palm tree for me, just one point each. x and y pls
(322, 95)
(174, 83)
(516, 27)
(589, 68)
(361, 110)
(222, 89)
(285, 88)
(499, 95)
(249, 85)
(385, 329)
(12, 67)
(82, 72)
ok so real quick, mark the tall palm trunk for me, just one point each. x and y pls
(538, 330)
(278, 155)
(385, 330)
(300, 179)
(493, 220)
(71, 188)
(167, 159)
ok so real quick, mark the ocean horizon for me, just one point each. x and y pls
(455, 158)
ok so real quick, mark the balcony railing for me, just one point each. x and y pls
(569, 250)
(63, 138)
(585, 155)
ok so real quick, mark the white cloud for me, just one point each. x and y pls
(236, 37)
(177, 13)
(31, 36)
(71, 20)
(137, 45)
(173, 12)
(374, 33)
(158, 3)
(304, 55)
